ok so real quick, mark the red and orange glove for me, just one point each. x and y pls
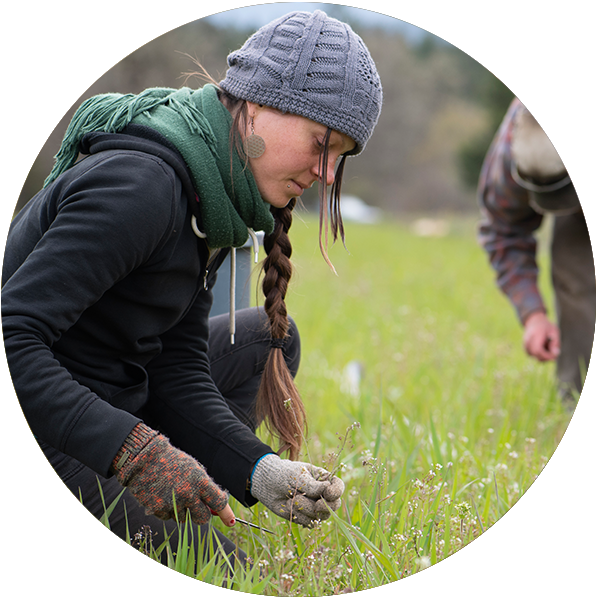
(155, 472)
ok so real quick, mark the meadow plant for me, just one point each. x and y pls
(450, 425)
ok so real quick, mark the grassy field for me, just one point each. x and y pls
(448, 427)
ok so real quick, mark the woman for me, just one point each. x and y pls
(108, 271)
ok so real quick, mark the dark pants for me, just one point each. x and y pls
(574, 284)
(236, 370)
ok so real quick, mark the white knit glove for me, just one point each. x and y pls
(296, 491)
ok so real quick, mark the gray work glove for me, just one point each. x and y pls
(296, 491)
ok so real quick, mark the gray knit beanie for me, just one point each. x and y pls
(311, 65)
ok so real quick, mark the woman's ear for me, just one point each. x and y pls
(254, 109)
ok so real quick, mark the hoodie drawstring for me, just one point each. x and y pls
(232, 281)
(232, 265)
(232, 273)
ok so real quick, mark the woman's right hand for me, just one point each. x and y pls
(296, 491)
(166, 480)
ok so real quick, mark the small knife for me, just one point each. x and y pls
(245, 523)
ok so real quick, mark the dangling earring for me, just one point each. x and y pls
(254, 145)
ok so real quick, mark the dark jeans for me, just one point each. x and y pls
(574, 283)
(236, 370)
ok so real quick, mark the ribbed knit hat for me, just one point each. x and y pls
(311, 65)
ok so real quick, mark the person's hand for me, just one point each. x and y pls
(226, 515)
(159, 475)
(296, 491)
(541, 337)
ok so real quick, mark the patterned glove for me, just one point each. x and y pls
(155, 472)
(296, 491)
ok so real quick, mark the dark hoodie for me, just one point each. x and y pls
(105, 311)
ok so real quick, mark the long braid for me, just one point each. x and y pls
(279, 402)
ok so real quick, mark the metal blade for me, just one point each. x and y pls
(253, 525)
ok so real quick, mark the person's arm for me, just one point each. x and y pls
(62, 255)
(507, 226)
(192, 412)
(167, 481)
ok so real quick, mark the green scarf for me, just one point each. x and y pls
(198, 125)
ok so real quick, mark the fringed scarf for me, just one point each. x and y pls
(198, 125)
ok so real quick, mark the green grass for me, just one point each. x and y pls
(455, 422)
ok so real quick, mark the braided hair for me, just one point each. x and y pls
(279, 403)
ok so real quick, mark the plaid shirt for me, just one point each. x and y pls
(506, 230)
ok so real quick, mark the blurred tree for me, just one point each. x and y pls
(489, 92)
(440, 111)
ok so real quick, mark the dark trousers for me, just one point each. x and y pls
(574, 284)
(236, 370)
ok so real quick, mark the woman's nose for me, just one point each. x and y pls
(330, 171)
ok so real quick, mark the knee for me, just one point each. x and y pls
(292, 349)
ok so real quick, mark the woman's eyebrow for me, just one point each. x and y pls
(346, 144)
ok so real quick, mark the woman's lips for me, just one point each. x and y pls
(297, 188)
(300, 186)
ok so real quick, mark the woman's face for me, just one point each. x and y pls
(290, 163)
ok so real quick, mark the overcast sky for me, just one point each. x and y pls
(258, 15)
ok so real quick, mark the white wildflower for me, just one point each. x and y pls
(423, 562)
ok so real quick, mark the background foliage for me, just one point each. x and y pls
(440, 110)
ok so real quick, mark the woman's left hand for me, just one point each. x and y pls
(296, 491)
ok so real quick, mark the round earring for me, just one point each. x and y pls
(254, 145)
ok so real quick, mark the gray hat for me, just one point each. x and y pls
(311, 65)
